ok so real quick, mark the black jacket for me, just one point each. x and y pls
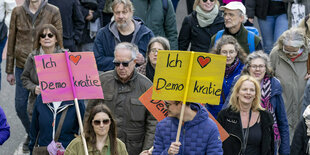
(263, 8)
(199, 37)
(231, 122)
(300, 139)
(72, 18)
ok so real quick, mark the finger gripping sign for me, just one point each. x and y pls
(54, 79)
(206, 78)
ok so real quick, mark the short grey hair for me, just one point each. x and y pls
(129, 46)
(255, 55)
(245, 17)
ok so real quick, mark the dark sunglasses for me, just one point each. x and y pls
(207, 0)
(125, 64)
(50, 35)
(98, 122)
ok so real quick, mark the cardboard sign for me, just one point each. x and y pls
(206, 78)
(159, 110)
(54, 79)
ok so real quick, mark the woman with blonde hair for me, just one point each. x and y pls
(248, 124)
(199, 26)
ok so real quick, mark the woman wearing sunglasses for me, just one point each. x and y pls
(289, 62)
(48, 41)
(100, 135)
(198, 27)
(155, 44)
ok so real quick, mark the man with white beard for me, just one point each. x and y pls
(122, 28)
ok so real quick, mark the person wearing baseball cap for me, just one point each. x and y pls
(234, 17)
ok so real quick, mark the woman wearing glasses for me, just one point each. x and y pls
(155, 44)
(289, 62)
(199, 26)
(258, 66)
(100, 135)
(229, 47)
(48, 40)
(247, 123)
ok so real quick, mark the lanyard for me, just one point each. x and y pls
(245, 135)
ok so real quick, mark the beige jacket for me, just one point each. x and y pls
(23, 28)
(291, 75)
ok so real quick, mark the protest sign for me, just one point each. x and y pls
(54, 79)
(205, 77)
(158, 109)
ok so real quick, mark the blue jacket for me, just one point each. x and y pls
(4, 127)
(42, 120)
(108, 37)
(215, 109)
(280, 113)
(199, 136)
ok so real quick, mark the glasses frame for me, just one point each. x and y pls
(207, 0)
(49, 35)
(124, 64)
(290, 53)
(104, 122)
(260, 67)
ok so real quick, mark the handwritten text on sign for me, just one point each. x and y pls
(158, 109)
(205, 81)
(54, 76)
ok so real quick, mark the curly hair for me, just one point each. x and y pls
(228, 39)
(255, 55)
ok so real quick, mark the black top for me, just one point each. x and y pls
(125, 38)
(254, 139)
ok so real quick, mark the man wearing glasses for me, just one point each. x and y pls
(199, 134)
(234, 17)
(124, 28)
(121, 88)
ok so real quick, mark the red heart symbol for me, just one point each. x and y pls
(75, 59)
(203, 61)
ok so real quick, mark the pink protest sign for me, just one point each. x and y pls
(54, 76)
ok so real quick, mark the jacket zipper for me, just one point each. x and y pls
(239, 140)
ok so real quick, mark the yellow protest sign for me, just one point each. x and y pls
(206, 79)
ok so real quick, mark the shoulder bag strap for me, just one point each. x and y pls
(61, 121)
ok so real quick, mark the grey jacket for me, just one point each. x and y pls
(291, 75)
(135, 124)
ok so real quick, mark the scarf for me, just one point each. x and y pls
(265, 103)
(149, 71)
(230, 69)
(206, 18)
(306, 115)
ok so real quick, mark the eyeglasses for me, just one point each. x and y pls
(230, 52)
(207, 0)
(125, 64)
(258, 66)
(104, 122)
(50, 35)
(291, 53)
(154, 50)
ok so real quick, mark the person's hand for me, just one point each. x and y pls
(90, 15)
(251, 20)
(174, 148)
(145, 152)
(307, 76)
(140, 59)
(37, 90)
(11, 79)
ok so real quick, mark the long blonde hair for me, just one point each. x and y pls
(234, 100)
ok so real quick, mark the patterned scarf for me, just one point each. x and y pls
(265, 98)
(230, 69)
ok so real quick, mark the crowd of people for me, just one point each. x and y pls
(265, 96)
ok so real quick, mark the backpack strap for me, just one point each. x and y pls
(251, 41)
(219, 35)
